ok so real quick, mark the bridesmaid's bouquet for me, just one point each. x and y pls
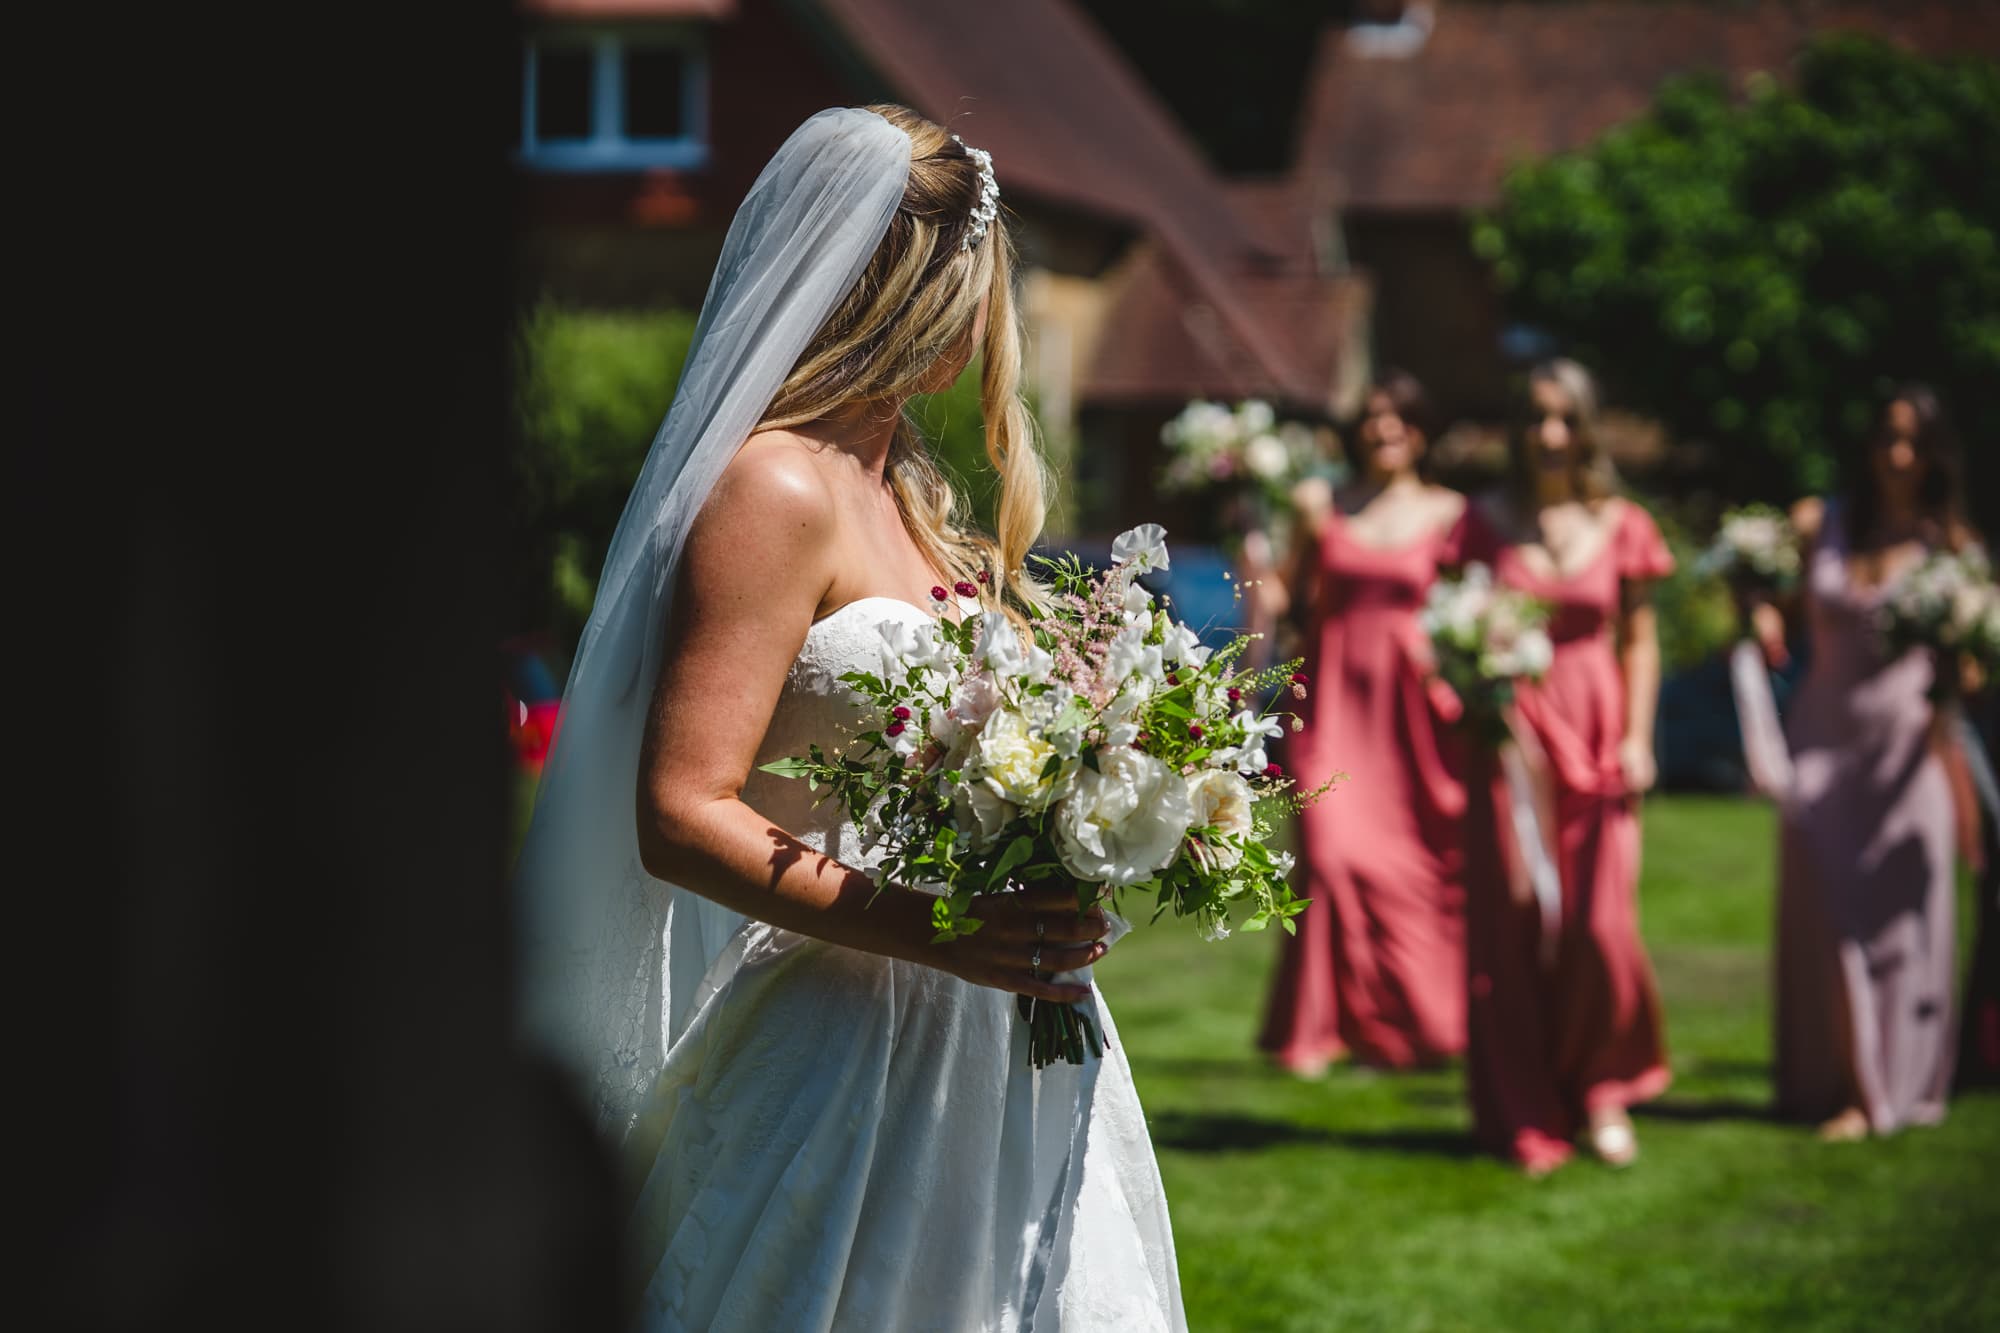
(1754, 546)
(1104, 744)
(1948, 604)
(1245, 450)
(1484, 638)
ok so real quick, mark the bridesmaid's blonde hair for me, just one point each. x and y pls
(914, 306)
(1596, 478)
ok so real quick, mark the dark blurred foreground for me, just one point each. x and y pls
(255, 500)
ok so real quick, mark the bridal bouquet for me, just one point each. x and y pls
(1948, 604)
(1754, 545)
(1484, 638)
(1243, 448)
(1107, 746)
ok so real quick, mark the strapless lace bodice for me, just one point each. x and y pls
(817, 708)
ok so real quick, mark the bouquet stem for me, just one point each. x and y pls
(1058, 1032)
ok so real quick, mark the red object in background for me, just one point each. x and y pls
(533, 702)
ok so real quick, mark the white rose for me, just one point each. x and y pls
(1124, 821)
(1012, 758)
(1143, 547)
(980, 812)
(1221, 801)
(1255, 417)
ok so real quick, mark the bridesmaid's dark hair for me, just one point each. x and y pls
(1936, 443)
(1405, 393)
(1596, 477)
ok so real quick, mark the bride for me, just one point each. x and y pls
(826, 1121)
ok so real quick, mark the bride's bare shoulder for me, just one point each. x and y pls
(774, 482)
(770, 522)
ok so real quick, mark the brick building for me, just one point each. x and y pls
(1145, 278)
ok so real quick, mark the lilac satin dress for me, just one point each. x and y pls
(1378, 965)
(1865, 963)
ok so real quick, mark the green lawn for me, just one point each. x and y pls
(1358, 1202)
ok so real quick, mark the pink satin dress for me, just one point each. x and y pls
(1866, 955)
(1552, 1039)
(1377, 968)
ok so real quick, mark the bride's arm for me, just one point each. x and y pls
(753, 574)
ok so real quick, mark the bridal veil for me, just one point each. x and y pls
(611, 958)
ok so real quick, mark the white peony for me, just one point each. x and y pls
(1123, 822)
(1143, 547)
(1221, 801)
(1012, 757)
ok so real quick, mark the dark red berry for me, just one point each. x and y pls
(964, 589)
(900, 713)
(939, 593)
(1235, 695)
(894, 729)
(1273, 771)
(984, 577)
(1195, 733)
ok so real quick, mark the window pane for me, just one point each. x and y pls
(655, 80)
(562, 92)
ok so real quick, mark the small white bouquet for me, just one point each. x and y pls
(1101, 743)
(1754, 545)
(1484, 638)
(1244, 449)
(1949, 604)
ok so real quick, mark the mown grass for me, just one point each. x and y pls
(1358, 1202)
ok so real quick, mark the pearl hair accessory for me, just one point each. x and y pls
(988, 206)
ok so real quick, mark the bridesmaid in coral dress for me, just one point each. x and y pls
(1565, 1034)
(1377, 966)
(1866, 960)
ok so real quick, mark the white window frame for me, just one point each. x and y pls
(608, 148)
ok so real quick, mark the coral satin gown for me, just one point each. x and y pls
(1377, 966)
(1551, 1040)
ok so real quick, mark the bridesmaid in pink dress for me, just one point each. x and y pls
(1563, 1040)
(1377, 966)
(1866, 962)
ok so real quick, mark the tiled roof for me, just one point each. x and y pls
(1164, 343)
(1066, 118)
(1436, 128)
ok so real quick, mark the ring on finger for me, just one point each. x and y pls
(1035, 961)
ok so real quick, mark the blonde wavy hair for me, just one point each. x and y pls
(912, 311)
(1596, 478)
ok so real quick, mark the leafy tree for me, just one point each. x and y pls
(592, 388)
(1756, 272)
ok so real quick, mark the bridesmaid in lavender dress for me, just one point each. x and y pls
(1377, 968)
(1865, 960)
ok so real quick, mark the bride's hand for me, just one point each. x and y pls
(1024, 939)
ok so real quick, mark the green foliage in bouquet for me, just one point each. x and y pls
(1095, 741)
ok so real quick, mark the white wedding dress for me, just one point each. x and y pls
(843, 1141)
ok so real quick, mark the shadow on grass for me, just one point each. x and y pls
(1189, 1132)
(1721, 1108)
